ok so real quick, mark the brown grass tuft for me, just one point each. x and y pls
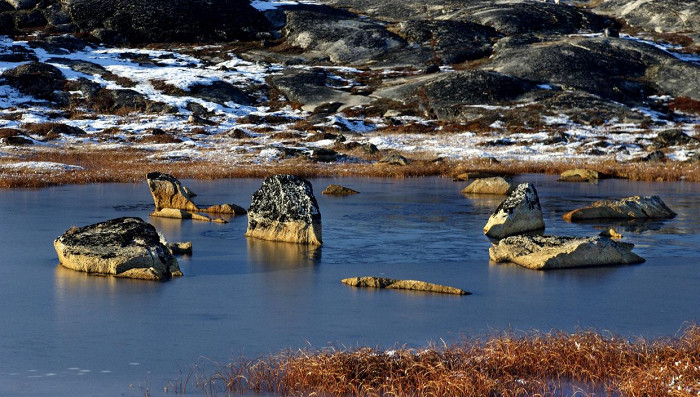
(685, 105)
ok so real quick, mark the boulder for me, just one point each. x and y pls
(558, 252)
(312, 89)
(181, 248)
(673, 137)
(147, 21)
(519, 213)
(337, 190)
(174, 213)
(394, 159)
(37, 79)
(579, 175)
(231, 209)
(285, 209)
(122, 247)
(414, 285)
(493, 185)
(635, 207)
(451, 41)
(220, 92)
(168, 192)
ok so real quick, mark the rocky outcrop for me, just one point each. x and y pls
(167, 192)
(313, 89)
(557, 252)
(337, 190)
(635, 207)
(655, 15)
(285, 209)
(580, 175)
(122, 247)
(414, 285)
(40, 80)
(147, 21)
(493, 185)
(450, 41)
(519, 213)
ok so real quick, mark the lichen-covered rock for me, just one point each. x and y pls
(579, 175)
(635, 207)
(558, 252)
(337, 190)
(519, 213)
(122, 247)
(414, 285)
(168, 192)
(493, 185)
(285, 209)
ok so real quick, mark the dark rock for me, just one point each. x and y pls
(394, 159)
(16, 141)
(7, 23)
(29, 19)
(37, 79)
(220, 92)
(307, 87)
(144, 21)
(635, 207)
(285, 209)
(654, 157)
(122, 247)
(433, 68)
(17, 53)
(672, 137)
(337, 190)
(654, 15)
(611, 32)
(451, 41)
(64, 44)
(56, 16)
(324, 155)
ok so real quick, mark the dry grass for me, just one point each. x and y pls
(584, 363)
(131, 165)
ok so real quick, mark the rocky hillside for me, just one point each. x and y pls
(351, 80)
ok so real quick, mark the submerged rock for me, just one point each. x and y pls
(285, 209)
(519, 213)
(337, 190)
(175, 213)
(493, 185)
(122, 247)
(635, 207)
(231, 209)
(558, 252)
(380, 282)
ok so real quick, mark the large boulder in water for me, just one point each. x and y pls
(122, 247)
(635, 207)
(168, 192)
(146, 21)
(285, 209)
(519, 213)
(557, 252)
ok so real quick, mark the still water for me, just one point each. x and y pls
(65, 333)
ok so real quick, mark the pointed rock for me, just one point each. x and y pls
(122, 247)
(285, 209)
(519, 213)
(168, 192)
(635, 207)
(558, 252)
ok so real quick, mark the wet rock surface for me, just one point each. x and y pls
(413, 285)
(519, 213)
(122, 247)
(285, 209)
(559, 252)
(635, 207)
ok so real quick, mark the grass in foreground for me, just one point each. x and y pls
(585, 363)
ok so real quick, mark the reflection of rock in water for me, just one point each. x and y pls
(635, 225)
(133, 207)
(266, 255)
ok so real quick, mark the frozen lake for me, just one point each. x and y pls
(66, 333)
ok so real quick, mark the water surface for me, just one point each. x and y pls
(67, 333)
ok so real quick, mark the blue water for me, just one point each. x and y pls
(67, 333)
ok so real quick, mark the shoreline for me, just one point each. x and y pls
(47, 169)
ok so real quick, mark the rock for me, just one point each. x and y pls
(37, 79)
(653, 157)
(337, 190)
(174, 213)
(168, 192)
(414, 285)
(579, 175)
(672, 137)
(27, 19)
(149, 21)
(189, 193)
(231, 209)
(122, 247)
(181, 248)
(451, 41)
(313, 89)
(635, 207)
(23, 4)
(611, 233)
(654, 15)
(494, 185)
(394, 159)
(324, 155)
(285, 209)
(220, 92)
(519, 213)
(558, 252)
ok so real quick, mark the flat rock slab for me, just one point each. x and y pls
(122, 247)
(285, 209)
(414, 285)
(494, 185)
(173, 213)
(519, 213)
(635, 207)
(558, 252)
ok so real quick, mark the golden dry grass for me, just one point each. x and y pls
(131, 165)
(584, 363)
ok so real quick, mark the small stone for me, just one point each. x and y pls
(394, 159)
(337, 190)
(181, 248)
(611, 233)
